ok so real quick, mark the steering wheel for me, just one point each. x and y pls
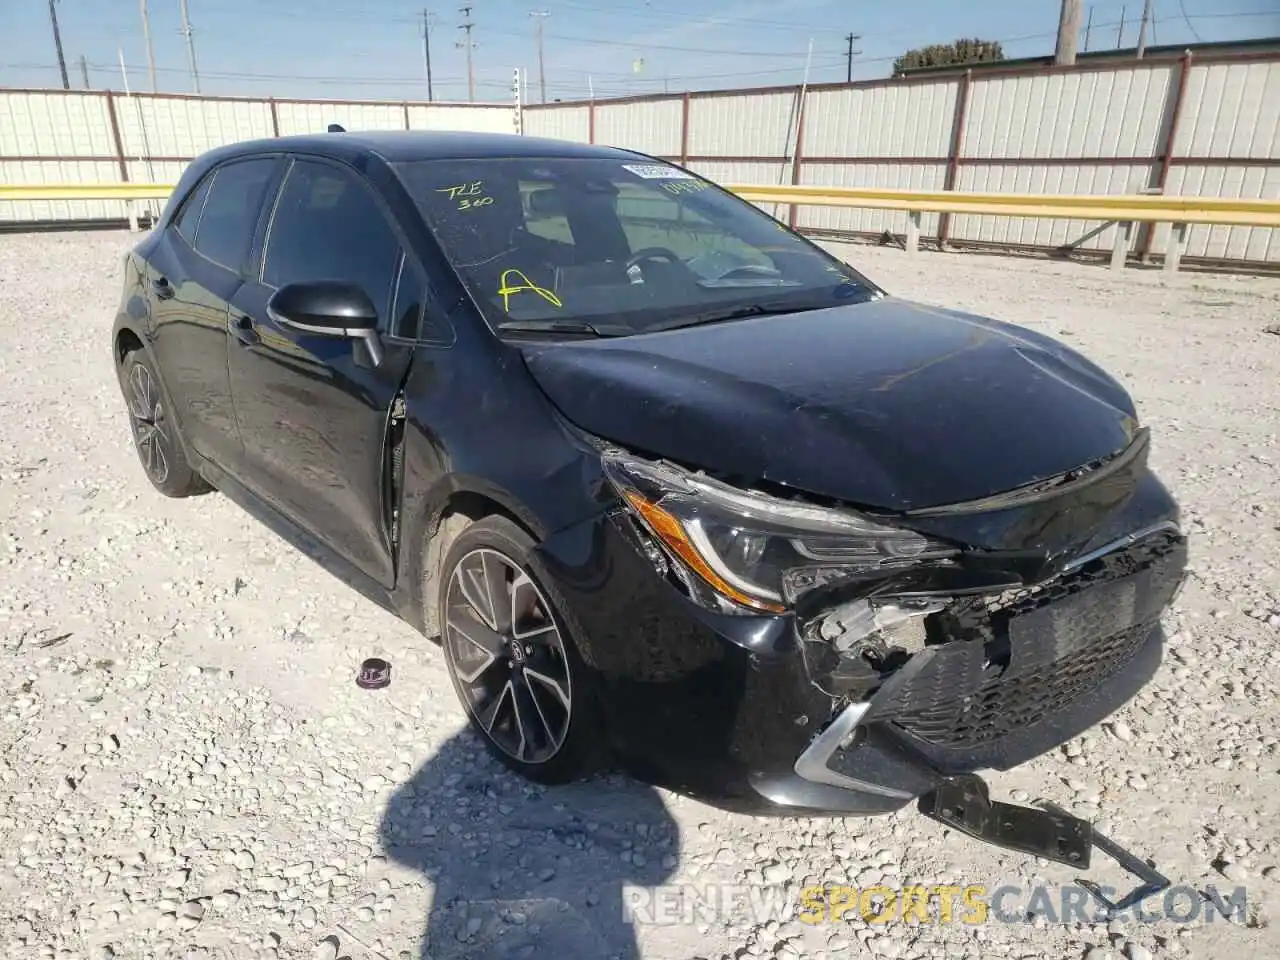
(653, 253)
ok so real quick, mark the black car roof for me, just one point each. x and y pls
(396, 146)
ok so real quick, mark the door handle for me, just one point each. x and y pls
(161, 287)
(243, 330)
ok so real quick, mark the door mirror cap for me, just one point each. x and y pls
(328, 308)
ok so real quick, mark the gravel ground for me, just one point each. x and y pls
(187, 768)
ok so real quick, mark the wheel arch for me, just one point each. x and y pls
(461, 501)
(127, 338)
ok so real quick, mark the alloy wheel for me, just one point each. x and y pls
(507, 657)
(146, 416)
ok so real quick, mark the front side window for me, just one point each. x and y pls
(618, 246)
(327, 226)
(231, 209)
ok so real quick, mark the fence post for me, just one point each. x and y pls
(953, 152)
(591, 121)
(684, 129)
(1177, 246)
(913, 232)
(796, 154)
(1166, 157)
(406, 115)
(1119, 252)
(130, 210)
(275, 117)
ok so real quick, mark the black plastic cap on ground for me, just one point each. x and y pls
(374, 674)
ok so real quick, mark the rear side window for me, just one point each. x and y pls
(327, 226)
(188, 217)
(231, 211)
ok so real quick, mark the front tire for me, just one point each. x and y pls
(512, 659)
(154, 431)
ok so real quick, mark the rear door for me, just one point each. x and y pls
(193, 272)
(314, 411)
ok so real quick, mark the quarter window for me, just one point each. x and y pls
(327, 226)
(189, 216)
(231, 211)
(406, 317)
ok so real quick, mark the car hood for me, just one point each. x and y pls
(886, 404)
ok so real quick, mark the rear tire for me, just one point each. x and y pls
(154, 432)
(512, 657)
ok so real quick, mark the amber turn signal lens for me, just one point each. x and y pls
(671, 532)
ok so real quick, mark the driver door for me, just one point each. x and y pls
(313, 411)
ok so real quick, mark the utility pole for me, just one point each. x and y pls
(146, 37)
(84, 71)
(850, 53)
(426, 50)
(466, 44)
(191, 46)
(539, 16)
(1068, 33)
(1120, 32)
(57, 42)
(1088, 28)
(1142, 29)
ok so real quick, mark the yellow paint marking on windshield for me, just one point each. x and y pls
(472, 189)
(469, 195)
(526, 286)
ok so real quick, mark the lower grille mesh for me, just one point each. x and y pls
(1025, 656)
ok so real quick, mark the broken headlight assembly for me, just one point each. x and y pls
(740, 551)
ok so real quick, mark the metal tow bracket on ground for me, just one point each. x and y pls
(1153, 881)
(964, 803)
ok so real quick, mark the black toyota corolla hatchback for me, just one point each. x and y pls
(671, 486)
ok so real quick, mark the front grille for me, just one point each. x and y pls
(1019, 658)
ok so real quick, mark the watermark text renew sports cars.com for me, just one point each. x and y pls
(970, 904)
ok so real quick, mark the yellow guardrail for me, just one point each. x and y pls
(1148, 208)
(86, 191)
(1123, 210)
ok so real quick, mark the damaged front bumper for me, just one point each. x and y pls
(1019, 674)
(865, 698)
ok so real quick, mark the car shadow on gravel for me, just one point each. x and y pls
(520, 870)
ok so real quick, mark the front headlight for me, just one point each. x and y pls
(758, 551)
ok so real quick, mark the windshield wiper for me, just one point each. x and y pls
(570, 327)
(736, 313)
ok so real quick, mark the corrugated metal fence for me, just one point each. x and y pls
(56, 136)
(1203, 126)
(1206, 127)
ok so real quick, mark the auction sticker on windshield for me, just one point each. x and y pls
(657, 171)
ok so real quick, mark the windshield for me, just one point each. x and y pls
(615, 247)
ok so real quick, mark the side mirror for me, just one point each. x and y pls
(328, 308)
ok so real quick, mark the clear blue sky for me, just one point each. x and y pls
(373, 49)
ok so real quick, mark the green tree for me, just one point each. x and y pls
(949, 55)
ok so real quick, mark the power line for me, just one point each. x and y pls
(57, 44)
(1190, 26)
(632, 45)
